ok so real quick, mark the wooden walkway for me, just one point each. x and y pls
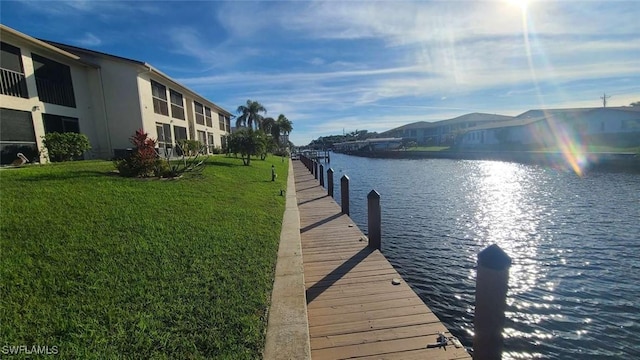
(354, 310)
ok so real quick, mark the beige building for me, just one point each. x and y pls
(52, 87)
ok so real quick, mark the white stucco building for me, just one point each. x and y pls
(47, 86)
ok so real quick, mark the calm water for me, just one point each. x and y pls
(575, 280)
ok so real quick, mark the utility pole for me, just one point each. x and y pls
(604, 98)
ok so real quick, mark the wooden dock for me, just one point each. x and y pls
(353, 308)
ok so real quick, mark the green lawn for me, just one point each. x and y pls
(107, 267)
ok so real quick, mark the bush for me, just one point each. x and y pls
(144, 161)
(190, 147)
(65, 146)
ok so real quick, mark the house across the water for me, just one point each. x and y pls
(552, 129)
(380, 144)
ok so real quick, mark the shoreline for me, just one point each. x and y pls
(595, 161)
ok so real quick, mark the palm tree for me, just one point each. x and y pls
(284, 127)
(268, 124)
(250, 114)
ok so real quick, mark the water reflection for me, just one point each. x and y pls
(505, 214)
(574, 280)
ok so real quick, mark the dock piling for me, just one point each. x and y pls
(344, 194)
(321, 175)
(491, 294)
(330, 182)
(374, 220)
(315, 169)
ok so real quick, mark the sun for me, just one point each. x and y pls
(522, 4)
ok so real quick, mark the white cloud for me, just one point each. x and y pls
(88, 39)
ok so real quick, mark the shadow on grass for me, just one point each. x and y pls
(218, 163)
(69, 175)
(323, 284)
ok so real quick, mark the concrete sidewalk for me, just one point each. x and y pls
(288, 327)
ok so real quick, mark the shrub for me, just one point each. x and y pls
(190, 147)
(65, 146)
(144, 161)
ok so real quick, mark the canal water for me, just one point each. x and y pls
(574, 287)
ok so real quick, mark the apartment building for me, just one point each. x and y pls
(52, 87)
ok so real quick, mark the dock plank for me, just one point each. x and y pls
(354, 309)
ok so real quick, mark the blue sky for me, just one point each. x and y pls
(354, 65)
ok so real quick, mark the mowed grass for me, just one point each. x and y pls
(107, 267)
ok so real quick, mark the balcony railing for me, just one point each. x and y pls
(54, 92)
(13, 83)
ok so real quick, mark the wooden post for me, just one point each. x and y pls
(374, 219)
(491, 295)
(315, 169)
(344, 192)
(321, 175)
(330, 182)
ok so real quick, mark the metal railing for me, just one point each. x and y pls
(13, 83)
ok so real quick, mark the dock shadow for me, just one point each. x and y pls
(312, 200)
(331, 278)
(318, 223)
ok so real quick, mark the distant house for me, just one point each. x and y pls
(51, 87)
(443, 132)
(547, 129)
(379, 144)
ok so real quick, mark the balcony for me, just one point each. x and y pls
(54, 92)
(13, 83)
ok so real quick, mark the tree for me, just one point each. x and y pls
(284, 124)
(268, 125)
(247, 142)
(250, 114)
(635, 104)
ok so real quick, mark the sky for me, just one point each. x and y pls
(340, 66)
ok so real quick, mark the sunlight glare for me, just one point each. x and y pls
(522, 4)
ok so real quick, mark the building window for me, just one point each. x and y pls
(159, 94)
(177, 106)
(60, 124)
(221, 122)
(207, 116)
(16, 136)
(53, 81)
(202, 137)
(12, 80)
(227, 123)
(199, 113)
(164, 139)
(211, 142)
(180, 134)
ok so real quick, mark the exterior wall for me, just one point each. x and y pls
(150, 118)
(122, 105)
(113, 98)
(86, 110)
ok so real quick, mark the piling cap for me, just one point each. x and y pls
(373, 195)
(493, 257)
